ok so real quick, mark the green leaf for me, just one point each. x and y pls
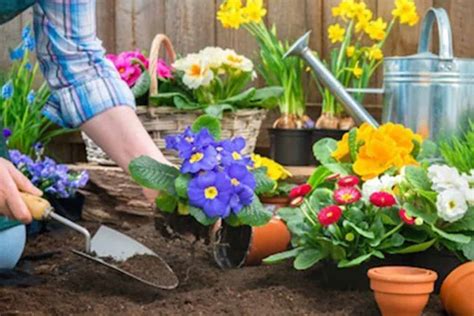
(468, 250)
(395, 241)
(254, 214)
(153, 175)
(353, 144)
(242, 97)
(320, 198)
(264, 184)
(166, 203)
(319, 176)
(354, 262)
(367, 234)
(418, 178)
(212, 124)
(342, 169)
(267, 97)
(184, 104)
(428, 150)
(142, 85)
(457, 238)
(426, 215)
(181, 185)
(308, 258)
(416, 148)
(323, 150)
(279, 257)
(415, 248)
(200, 216)
(217, 110)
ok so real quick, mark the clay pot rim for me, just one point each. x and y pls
(402, 274)
(452, 279)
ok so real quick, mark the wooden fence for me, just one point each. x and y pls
(191, 24)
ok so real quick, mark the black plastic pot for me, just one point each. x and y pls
(355, 278)
(173, 224)
(319, 133)
(291, 147)
(441, 261)
(71, 208)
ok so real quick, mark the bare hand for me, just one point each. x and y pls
(12, 182)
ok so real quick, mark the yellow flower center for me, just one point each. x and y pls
(121, 70)
(346, 197)
(234, 182)
(452, 204)
(236, 156)
(234, 59)
(211, 193)
(195, 70)
(329, 214)
(196, 157)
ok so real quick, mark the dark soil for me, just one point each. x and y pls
(62, 283)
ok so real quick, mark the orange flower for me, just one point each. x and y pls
(342, 151)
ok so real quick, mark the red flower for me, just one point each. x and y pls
(346, 195)
(329, 215)
(382, 199)
(348, 181)
(406, 218)
(301, 190)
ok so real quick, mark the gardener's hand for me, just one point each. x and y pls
(12, 182)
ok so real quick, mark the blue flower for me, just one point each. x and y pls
(188, 142)
(7, 133)
(30, 98)
(204, 159)
(7, 90)
(28, 66)
(243, 183)
(231, 152)
(30, 43)
(38, 148)
(211, 192)
(26, 32)
(17, 53)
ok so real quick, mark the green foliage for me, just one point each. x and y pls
(458, 151)
(212, 124)
(181, 185)
(142, 85)
(264, 185)
(319, 176)
(153, 175)
(307, 258)
(254, 214)
(200, 216)
(279, 257)
(323, 150)
(166, 203)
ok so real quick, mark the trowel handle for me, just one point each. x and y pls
(38, 207)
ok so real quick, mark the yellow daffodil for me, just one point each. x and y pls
(357, 71)
(350, 51)
(231, 15)
(345, 10)
(406, 11)
(376, 29)
(254, 11)
(375, 53)
(336, 33)
(275, 171)
(363, 20)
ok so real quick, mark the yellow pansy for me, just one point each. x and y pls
(336, 33)
(350, 51)
(275, 171)
(357, 71)
(375, 53)
(406, 11)
(376, 29)
(254, 11)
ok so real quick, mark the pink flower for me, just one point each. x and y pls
(301, 190)
(163, 70)
(135, 55)
(406, 218)
(329, 215)
(382, 199)
(348, 181)
(347, 195)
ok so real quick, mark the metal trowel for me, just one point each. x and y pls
(108, 246)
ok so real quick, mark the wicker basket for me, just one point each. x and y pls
(163, 121)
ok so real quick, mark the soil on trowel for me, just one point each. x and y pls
(61, 283)
(149, 268)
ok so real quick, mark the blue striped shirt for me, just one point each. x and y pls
(83, 82)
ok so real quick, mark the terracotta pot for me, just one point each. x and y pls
(457, 289)
(274, 203)
(400, 290)
(234, 247)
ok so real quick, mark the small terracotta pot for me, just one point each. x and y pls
(234, 247)
(401, 291)
(275, 202)
(457, 291)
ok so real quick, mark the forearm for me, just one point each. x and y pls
(119, 132)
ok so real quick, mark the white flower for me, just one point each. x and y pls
(237, 61)
(445, 177)
(451, 205)
(469, 177)
(385, 183)
(196, 70)
(215, 56)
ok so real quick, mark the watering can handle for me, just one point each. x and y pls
(444, 29)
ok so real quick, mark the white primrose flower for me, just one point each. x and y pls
(215, 56)
(385, 183)
(237, 61)
(197, 72)
(451, 205)
(445, 177)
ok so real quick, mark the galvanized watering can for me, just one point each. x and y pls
(431, 94)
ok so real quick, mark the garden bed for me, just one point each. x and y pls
(69, 284)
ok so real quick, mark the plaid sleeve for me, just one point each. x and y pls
(83, 82)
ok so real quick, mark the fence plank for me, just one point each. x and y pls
(11, 36)
(105, 19)
(191, 24)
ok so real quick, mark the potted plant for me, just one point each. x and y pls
(59, 184)
(291, 135)
(358, 38)
(386, 197)
(213, 183)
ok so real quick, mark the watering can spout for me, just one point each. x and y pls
(301, 49)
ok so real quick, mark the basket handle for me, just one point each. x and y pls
(158, 41)
(445, 36)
